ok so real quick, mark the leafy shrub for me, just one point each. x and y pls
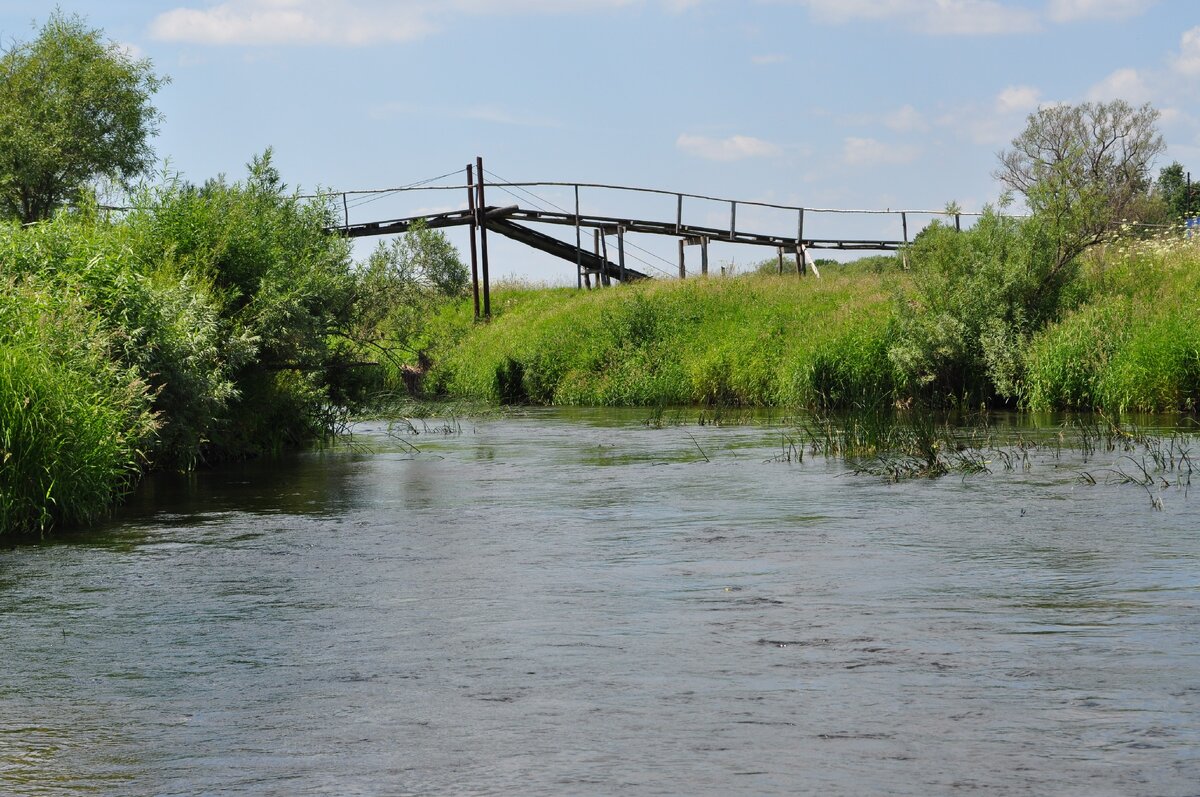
(74, 423)
(975, 298)
(282, 292)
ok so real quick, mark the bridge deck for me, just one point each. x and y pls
(610, 224)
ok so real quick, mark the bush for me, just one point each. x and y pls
(159, 320)
(279, 293)
(74, 424)
(975, 298)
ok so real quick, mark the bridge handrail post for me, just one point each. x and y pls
(578, 243)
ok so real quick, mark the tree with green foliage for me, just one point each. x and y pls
(1083, 168)
(404, 283)
(73, 109)
(1181, 197)
(285, 291)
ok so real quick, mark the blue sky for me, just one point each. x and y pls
(822, 103)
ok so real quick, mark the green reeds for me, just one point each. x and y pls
(73, 424)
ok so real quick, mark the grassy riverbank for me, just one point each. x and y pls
(752, 340)
(1122, 334)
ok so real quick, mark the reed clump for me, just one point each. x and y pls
(75, 425)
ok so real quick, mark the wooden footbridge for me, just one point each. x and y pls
(512, 221)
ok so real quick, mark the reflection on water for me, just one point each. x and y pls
(577, 603)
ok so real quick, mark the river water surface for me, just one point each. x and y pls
(576, 603)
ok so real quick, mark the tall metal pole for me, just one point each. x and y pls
(481, 209)
(474, 224)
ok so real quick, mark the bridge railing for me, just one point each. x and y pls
(803, 214)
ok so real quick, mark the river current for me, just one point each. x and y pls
(579, 603)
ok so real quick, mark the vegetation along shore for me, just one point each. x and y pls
(221, 321)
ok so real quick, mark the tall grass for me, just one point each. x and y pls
(74, 424)
(1133, 342)
(750, 340)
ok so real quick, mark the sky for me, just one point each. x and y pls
(857, 104)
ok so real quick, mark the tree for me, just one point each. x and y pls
(73, 108)
(1083, 167)
(1182, 200)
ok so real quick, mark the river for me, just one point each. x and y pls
(573, 602)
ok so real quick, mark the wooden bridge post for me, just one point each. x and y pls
(800, 228)
(704, 257)
(578, 242)
(679, 212)
(682, 263)
(474, 223)
(801, 266)
(482, 205)
(733, 221)
(621, 250)
(345, 209)
(958, 222)
(779, 251)
(604, 278)
(904, 225)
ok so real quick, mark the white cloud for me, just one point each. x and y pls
(502, 116)
(290, 22)
(995, 123)
(978, 18)
(870, 152)
(491, 114)
(1124, 84)
(351, 22)
(906, 119)
(131, 50)
(935, 17)
(1017, 99)
(726, 149)
(1188, 61)
(1074, 10)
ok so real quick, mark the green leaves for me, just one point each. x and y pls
(73, 109)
